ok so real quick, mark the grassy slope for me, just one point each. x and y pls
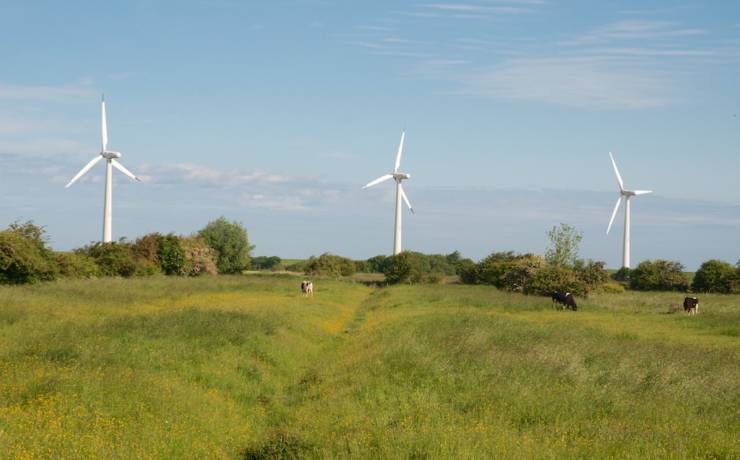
(219, 367)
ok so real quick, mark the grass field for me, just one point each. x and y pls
(244, 367)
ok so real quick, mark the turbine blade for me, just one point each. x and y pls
(616, 172)
(642, 192)
(405, 198)
(121, 168)
(103, 125)
(614, 214)
(379, 180)
(400, 151)
(87, 167)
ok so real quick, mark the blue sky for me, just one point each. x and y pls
(276, 113)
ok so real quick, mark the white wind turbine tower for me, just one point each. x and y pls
(400, 194)
(626, 194)
(111, 162)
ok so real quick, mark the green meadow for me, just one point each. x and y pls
(246, 367)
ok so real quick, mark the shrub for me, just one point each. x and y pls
(611, 288)
(23, 260)
(507, 270)
(551, 278)
(468, 271)
(405, 267)
(715, 276)
(199, 257)
(147, 247)
(298, 267)
(170, 255)
(376, 264)
(622, 275)
(73, 265)
(266, 263)
(117, 259)
(230, 241)
(658, 275)
(593, 274)
(330, 265)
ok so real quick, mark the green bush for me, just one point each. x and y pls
(611, 288)
(170, 256)
(715, 276)
(376, 264)
(468, 271)
(23, 260)
(592, 273)
(329, 265)
(549, 278)
(266, 263)
(230, 242)
(658, 275)
(118, 259)
(73, 265)
(508, 271)
(622, 275)
(405, 267)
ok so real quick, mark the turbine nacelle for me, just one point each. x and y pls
(401, 176)
(110, 154)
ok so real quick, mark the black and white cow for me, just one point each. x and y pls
(565, 299)
(691, 305)
(307, 288)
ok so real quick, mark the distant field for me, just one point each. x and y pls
(245, 367)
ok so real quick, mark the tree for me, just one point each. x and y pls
(658, 275)
(563, 249)
(230, 242)
(405, 267)
(330, 265)
(113, 259)
(22, 260)
(592, 273)
(170, 255)
(715, 276)
(266, 262)
(555, 278)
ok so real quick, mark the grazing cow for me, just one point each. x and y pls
(307, 288)
(565, 299)
(691, 305)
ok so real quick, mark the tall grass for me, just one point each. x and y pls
(246, 367)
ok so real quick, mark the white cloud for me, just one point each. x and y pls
(46, 93)
(575, 82)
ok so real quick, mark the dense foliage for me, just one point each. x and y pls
(658, 275)
(231, 243)
(26, 258)
(329, 265)
(717, 276)
(532, 274)
(266, 263)
(563, 249)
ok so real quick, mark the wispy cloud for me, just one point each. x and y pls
(634, 30)
(575, 82)
(46, 93)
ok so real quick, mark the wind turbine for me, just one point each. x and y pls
(400, 194)
(626, 194)
(110, 157)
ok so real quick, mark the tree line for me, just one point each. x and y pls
(222, 247)
(219, 247)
